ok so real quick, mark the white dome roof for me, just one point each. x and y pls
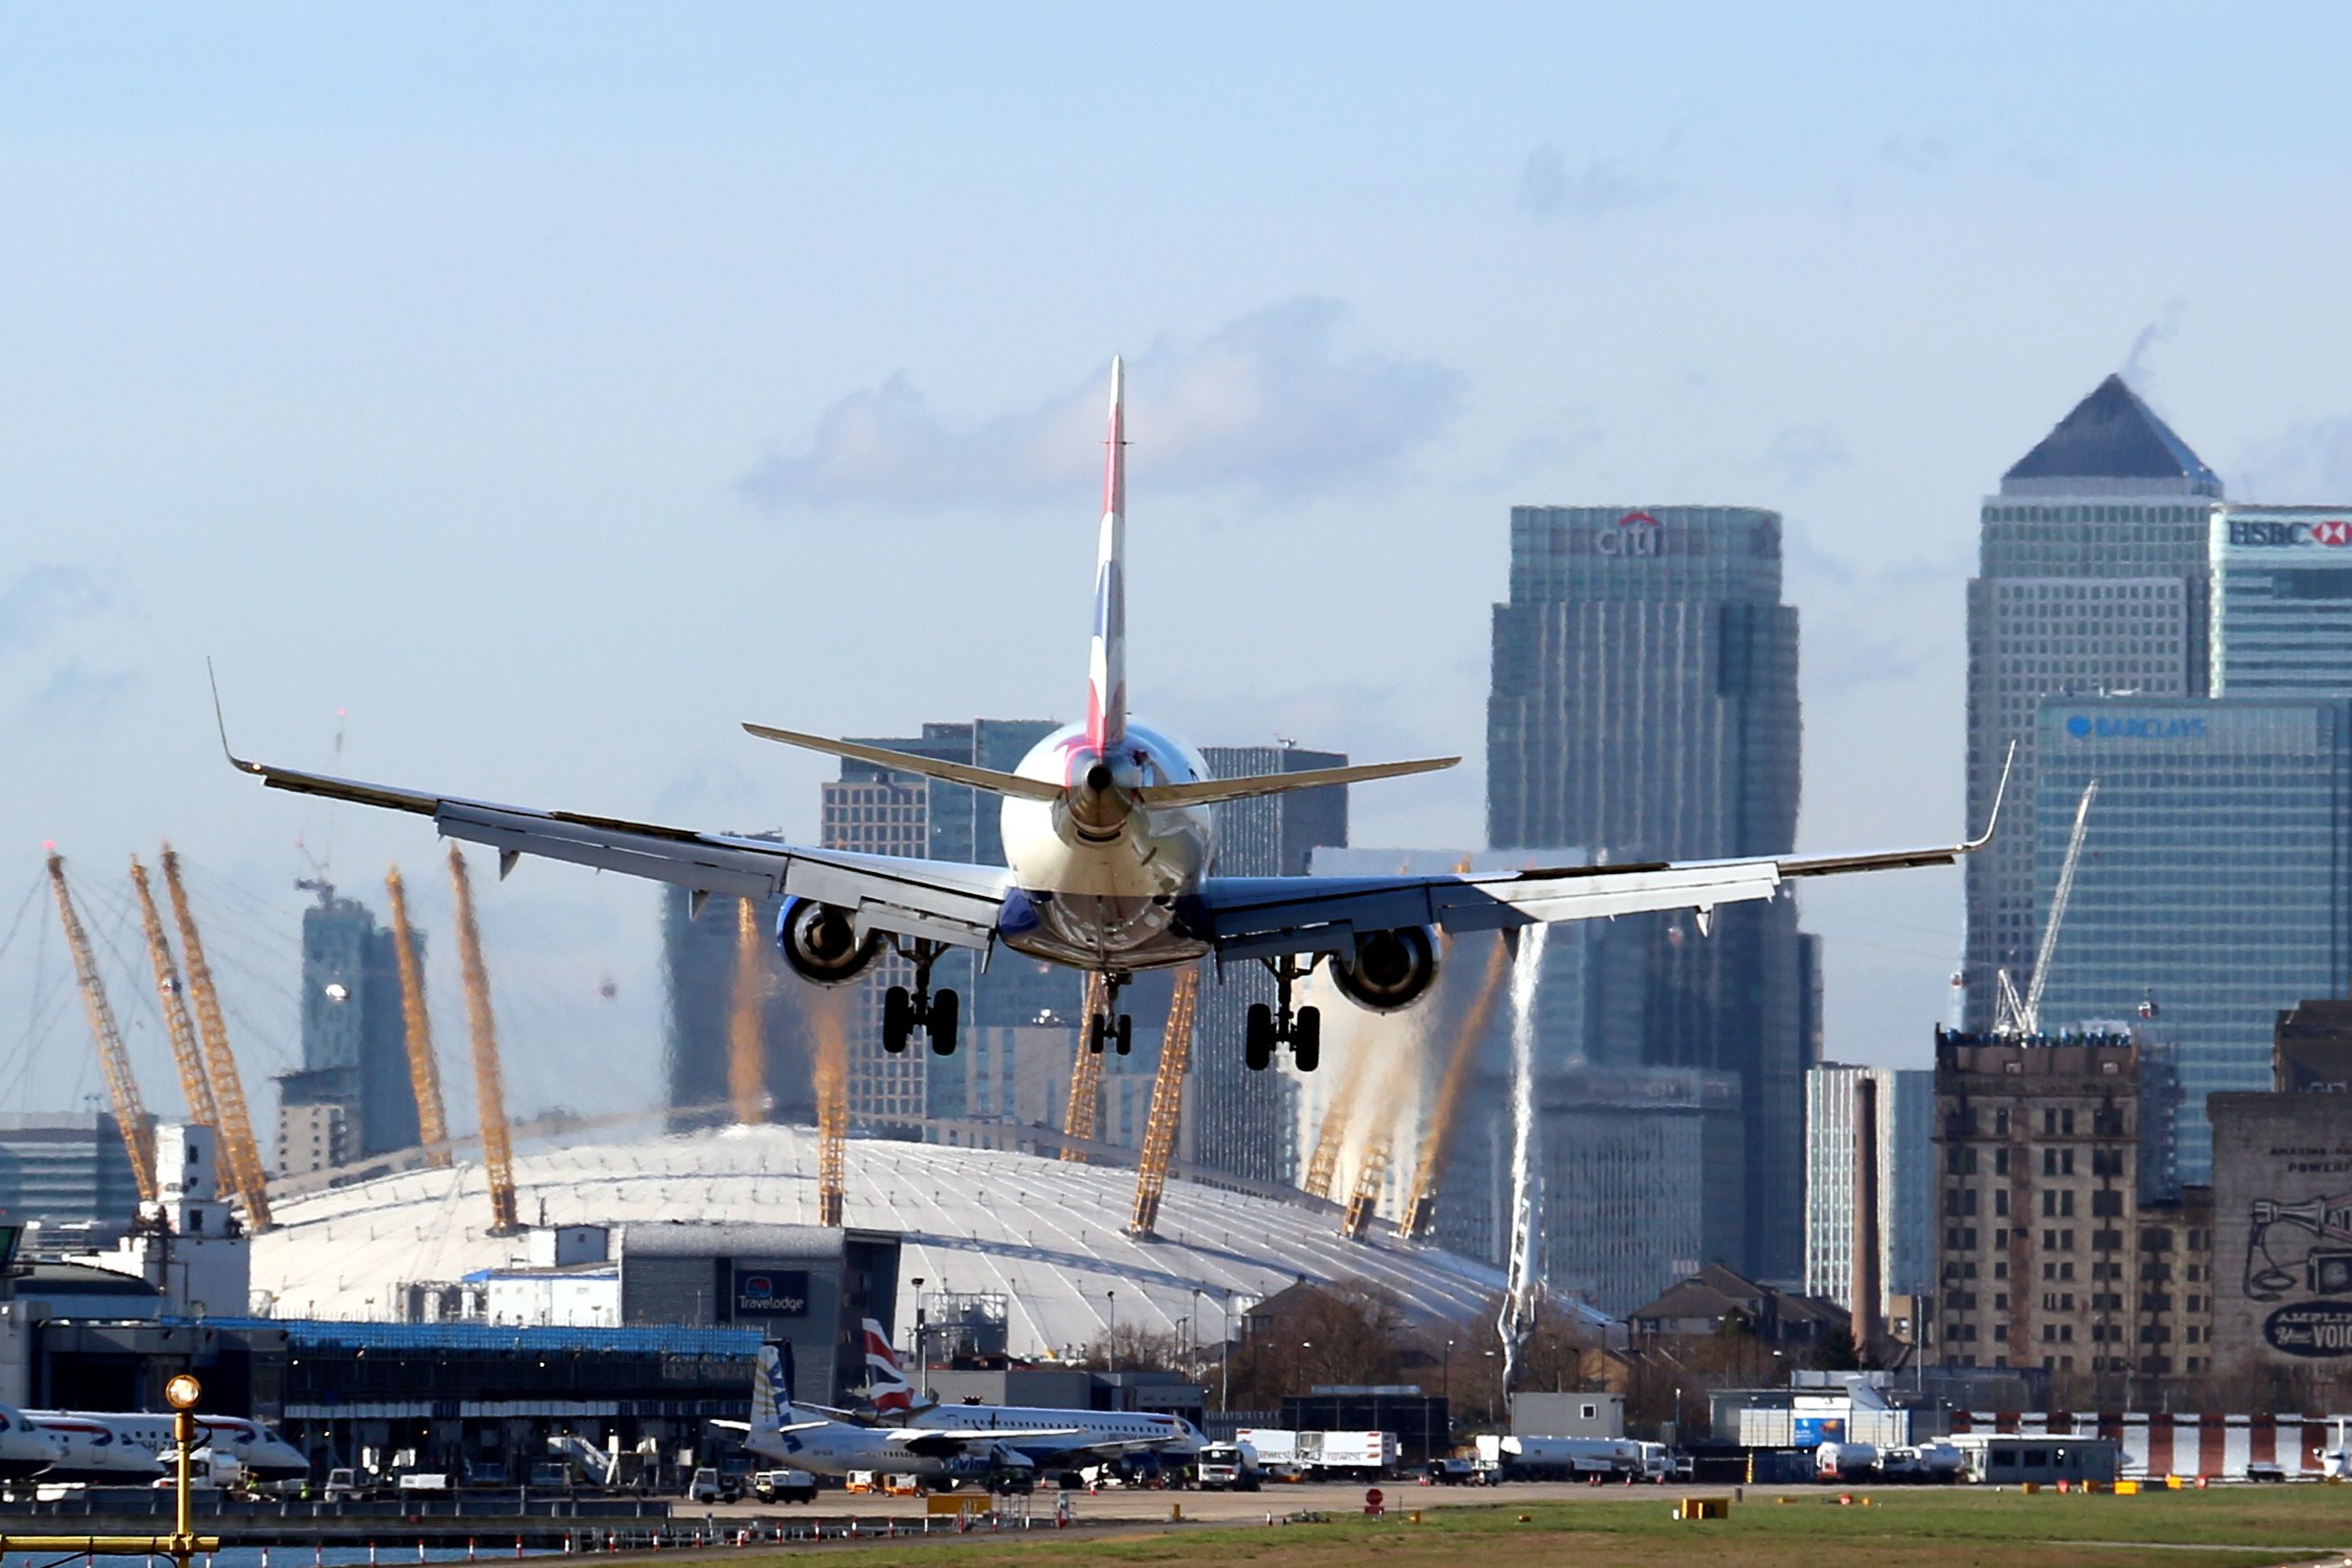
(1048, 1235)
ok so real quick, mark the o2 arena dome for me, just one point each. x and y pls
(1048, 1235)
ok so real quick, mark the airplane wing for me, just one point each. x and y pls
(1245, 917)
(936, 899)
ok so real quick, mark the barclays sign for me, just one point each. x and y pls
(2133, 727)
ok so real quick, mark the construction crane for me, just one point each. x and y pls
(130, 1114)
(424, 1067)
(1323, 1166)
(833, 1102)
(489, 1087)
(1168, 1104)
(746, 1052)
(1366, 1198)
(2020, 1017)
(1420, 1198)
(1086, 1082)
(245, 1172)
(187, 1054)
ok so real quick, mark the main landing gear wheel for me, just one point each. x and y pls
(1270, 1027)
(1257, 1037)
(1306, 1040)
(904, 1012)
(1126, 1033)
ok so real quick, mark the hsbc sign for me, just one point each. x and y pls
(2262, 533)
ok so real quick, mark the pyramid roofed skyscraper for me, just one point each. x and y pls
(2113, 438)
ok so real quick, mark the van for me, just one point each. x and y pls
(784, 1487)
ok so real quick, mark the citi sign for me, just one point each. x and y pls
(2336, 533)
(1640, 536)
(2083, 727)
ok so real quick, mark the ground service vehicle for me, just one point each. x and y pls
(784, 1487)
(1229, 1467)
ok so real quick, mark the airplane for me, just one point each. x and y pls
(25, 1450)
(91, 1449)
(975, 1443)
(1111, 864)
(1097, 1434)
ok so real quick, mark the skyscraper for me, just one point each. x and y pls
(1243, 1121)
(355, 1035)
(1644, 704)
(2282, 601)
(2212, 881)
(2092, 577)
(1907, 1135)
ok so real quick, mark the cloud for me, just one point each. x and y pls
(1268, 403)
(1550, 190)
(2309, 464)
(76, 701)
(1924, 156)
(2137, 368)
(1801, 452)
(43, 598)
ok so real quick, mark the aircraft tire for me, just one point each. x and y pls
(1096, 1029)
(1306, 1040)
(1257, 1037)
(942, 1023)
(1126, 1033)
(898, 1019)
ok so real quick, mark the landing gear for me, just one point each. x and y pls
(1110, 1027)
(904, 1012)
(1270, 1027)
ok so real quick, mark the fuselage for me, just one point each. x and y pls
(1166, 1433)
(129, 1445)
(1100, 875)
(840, 1447)
(24, 1448)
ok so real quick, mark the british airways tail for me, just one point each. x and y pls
(887, 1388)
(1107, 669)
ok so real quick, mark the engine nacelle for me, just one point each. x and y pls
(1388, 970)
(820, 941)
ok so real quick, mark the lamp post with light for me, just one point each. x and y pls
(181, 1392)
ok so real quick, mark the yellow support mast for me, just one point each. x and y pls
(1167, 1105)
(424, 1067)
(1365, 1200)
(186, 1053)
(488, 1085)
(746, 1050)
(1085, 1079)
(138, 1137)
(829, 1012)
(1421, 1201)
(245, 1171)
(1323, 1166)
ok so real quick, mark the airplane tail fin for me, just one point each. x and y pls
(887, 1388)
(771, 1386)
(1107, 668)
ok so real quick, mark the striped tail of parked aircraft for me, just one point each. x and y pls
(1111, 864)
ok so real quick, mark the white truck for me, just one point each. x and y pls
(1571, 1458)
(1321, 1456)
(1229, 1466)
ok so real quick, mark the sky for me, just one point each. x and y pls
(514, 399)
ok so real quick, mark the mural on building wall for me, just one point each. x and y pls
(2300, 1253)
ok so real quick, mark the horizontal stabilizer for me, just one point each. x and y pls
(962, 773)
(1210, 791)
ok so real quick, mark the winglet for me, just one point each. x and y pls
(222, 723)
(1993, 818)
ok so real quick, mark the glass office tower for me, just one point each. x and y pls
(2091, 579)
(2212, 878)
(1644, 703)
(2282, 601)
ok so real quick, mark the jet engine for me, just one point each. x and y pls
(820, 941)
(1388, 970)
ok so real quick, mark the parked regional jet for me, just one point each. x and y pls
(25, 1450)
(1107, 830)
(132, 1447)
(1099, 1433)
(809, 1437)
